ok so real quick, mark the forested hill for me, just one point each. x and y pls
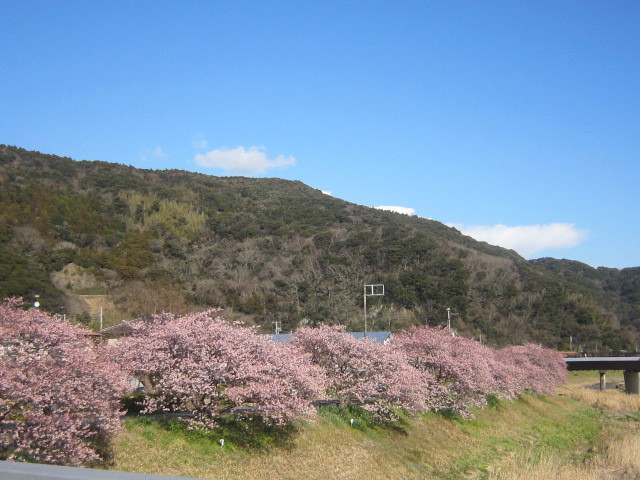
(270, 250)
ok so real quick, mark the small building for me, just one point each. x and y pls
(114, 333)
(376, 337)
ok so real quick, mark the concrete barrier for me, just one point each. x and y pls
(36, 471)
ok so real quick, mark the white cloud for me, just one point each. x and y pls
(527, 240)
(199, 142)
(326, 192)
(393, 208)
(159, 153)
(251, 161)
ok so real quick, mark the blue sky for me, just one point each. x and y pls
(516, 122)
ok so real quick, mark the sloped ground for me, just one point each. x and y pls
(615, 457)
(504, 439)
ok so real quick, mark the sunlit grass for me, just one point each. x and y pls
(617, 458)
(584, 387)
(430, 446)
(616, 455)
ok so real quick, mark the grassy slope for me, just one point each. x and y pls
(429, 447)
(615, 457)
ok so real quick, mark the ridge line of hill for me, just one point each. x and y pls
(271, 250)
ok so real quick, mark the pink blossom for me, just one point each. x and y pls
(540, 370)
(59, 398)
(369, 374)
(201, 364)
(470, 371)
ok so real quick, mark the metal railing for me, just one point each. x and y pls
(36, 471)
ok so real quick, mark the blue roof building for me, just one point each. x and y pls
(375, 337)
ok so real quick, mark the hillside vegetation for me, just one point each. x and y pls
(272, 250)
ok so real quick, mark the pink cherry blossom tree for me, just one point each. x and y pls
(461, 365)
(506, 376)
(539, 370)
(59, 396)
(371, 375)
(471, 371)
(201, 364)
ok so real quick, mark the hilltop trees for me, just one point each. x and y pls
(277, 250)
(59, 398)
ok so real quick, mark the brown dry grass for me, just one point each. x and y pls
(320, 452)
(620, 460)
(553, 437)
(433, 447)
(584, 388)
(619, 456)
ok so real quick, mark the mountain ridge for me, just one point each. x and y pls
(272, 250)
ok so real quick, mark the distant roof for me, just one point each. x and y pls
(120, 330)
(281, 337)
(376, 337)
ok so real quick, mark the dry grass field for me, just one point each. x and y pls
(617, 456)
(430, 447)
(580, 433)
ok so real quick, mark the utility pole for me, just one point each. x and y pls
(449, 313)
(376, 290)
(365, 311)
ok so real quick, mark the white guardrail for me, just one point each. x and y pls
(36, 471)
